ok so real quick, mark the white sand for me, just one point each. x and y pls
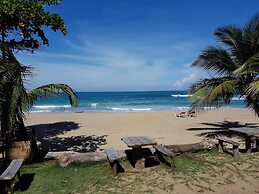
(163, 126)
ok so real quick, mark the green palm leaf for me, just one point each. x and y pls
(235, 68)
(53, 90)
(215, 92)
(253, 88)
(216, 60)
(250, 66)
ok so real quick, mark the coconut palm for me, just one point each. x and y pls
(233, 68)
(15, 100)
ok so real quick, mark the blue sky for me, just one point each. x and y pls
(128, 45)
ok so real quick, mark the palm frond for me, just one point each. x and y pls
(251, 35)
(13, 94)
(214, 92)
(53, 90)
(232, 37)
(250, 66)
(229, 35)
(216, 60)
(197, 85)
(253, 88)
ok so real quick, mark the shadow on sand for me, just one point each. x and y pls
(214, 130)
(48, 134)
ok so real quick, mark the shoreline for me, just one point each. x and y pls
(133, 111)
(110, 127)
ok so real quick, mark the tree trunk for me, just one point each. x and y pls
(5, 128)
(204, 145)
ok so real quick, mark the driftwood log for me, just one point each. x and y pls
(204, 145)
(67, 157)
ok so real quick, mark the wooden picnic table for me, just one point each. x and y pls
(249, 132)
(136, 143)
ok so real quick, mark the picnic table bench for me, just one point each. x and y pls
(136, 143)
(249, 133)
(11, 172)
(113, 159)
(235, 145)
(161, 150)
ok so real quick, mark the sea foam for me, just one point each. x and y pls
(127, 109)
(51, 106)
(181, 95)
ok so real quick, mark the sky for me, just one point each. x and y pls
(132, 45)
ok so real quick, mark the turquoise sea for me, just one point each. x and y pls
(122, 101)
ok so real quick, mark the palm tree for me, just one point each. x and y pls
(15, 100)
(234, 68)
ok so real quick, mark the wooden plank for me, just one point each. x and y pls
(12, 169)
(256, 136)
(228, 141)
(250, 131)
(138, 141)
(111, 154)
(164, 150)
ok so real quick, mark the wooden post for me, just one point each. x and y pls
(8, 187)
(172, 162)
(257, 143)
(248, 145)
(156, 156)
(235, 151)
(220, 146)
(115, 168)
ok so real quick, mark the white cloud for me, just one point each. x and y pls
(183, 82)
(102, 78)
(105, 67)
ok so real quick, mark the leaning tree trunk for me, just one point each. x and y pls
(6, 132)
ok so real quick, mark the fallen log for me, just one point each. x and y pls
(194, 147)
(67, 157)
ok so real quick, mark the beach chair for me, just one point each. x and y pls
(191, 114)
(181, 114)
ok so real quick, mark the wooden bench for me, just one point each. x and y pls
(113, 159)
(235, 145)
(161, 150)
(11, 172)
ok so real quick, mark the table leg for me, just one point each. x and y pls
(138, 158)
(257, 143)
(248, 145)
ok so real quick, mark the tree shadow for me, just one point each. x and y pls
(222, 129)
(52, 129)
(47, 134)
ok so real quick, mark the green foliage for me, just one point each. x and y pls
(22, 28)
(52, 90)
(234, 68)
(13, 95)
(22, 23)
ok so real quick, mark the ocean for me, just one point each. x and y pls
(122, 101)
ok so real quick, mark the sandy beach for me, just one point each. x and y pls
(162, 126)
(105, 129)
